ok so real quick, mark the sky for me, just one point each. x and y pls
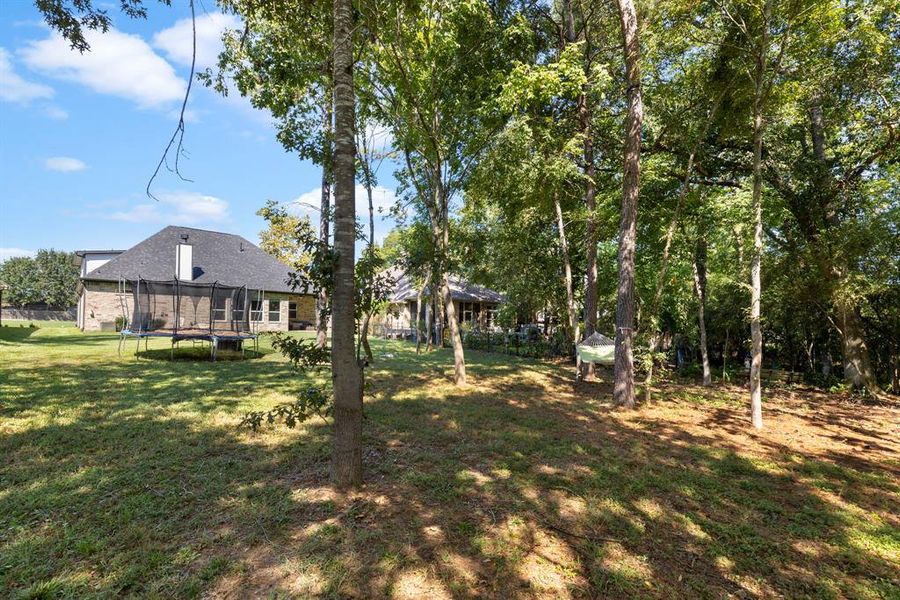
(80, 136)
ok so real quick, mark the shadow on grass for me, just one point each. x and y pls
(135, 481)
(13, 334)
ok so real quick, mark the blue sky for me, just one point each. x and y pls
(80, 136)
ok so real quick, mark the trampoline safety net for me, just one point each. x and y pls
(181, 308)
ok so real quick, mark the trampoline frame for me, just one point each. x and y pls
(211, 335)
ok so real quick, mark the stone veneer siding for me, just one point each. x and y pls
(101, 306)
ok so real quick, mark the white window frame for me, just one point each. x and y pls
(256, 314)
(276, 312)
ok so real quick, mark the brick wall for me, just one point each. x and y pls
(306, 308)
(101, 307)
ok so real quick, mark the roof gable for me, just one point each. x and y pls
(460, 289)
(224, 257)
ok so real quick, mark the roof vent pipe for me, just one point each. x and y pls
(184, 262)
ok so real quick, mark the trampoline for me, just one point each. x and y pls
(187, 311)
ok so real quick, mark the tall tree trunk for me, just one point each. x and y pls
(418, 324)
(459, 363)
(725, 356)
(857, 366)
(590, 192)
(429, 317)
(699, 269)
(364, 329)
(570, 289)
(438, 315)
(667, 248)
(364, 337)
(623, 389)
(858, 370)
(895, 374)
(324, 219)
(346, 372)
(756, 259)
(441, 231)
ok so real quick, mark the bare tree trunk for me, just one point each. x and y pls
(441, 230)
(590, 193)
(324, 219)
(418, 312)
(667, 248)
(429, 318)
(725, 356)
(895, 375)
(364, 330)
(699, 269)
(439, 314)
(346, 372)
(857, 362)
(459, 363)
(857, 365)
(364, 337)
(756, 258)
(623, 389)
(570, 289)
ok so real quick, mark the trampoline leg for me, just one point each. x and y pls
(213, 347)
(172, 350)
(121, 340)
(137, 347)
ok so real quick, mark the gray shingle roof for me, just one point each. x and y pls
(223, 257)
(459, 290)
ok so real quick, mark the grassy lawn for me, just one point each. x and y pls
(129, 477)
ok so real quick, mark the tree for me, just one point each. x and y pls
(281, 61)
(23, 285)
(57, 278)
(588, 164)
(433, 69)
(51, 277)
(698, 265)
(346, 371)
(282, 237)
(623, 390)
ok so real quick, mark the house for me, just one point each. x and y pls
(476, 306)
(228, 259)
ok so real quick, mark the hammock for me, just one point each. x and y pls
(596, 348)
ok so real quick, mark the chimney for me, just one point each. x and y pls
(184, 262)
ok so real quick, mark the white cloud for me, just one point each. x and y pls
(15, 89)
(117, 64)
(6, 253)
(54, 112)
(64, 164)
(176, 41)
(177, 208)
(383, 199)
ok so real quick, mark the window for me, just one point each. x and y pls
(256, 310)
(466, 312)
(274, 311)
(218, 313)
(490, 317)
(292, 311)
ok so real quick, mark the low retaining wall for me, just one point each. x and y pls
(23, 314)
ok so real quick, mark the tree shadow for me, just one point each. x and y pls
(131, 478)
(15, 334)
